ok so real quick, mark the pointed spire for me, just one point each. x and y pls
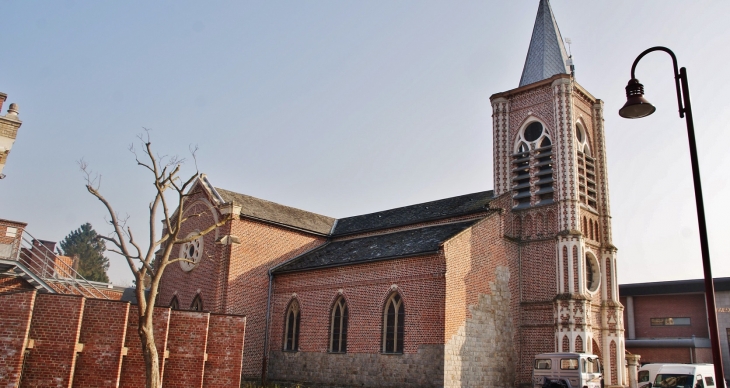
(546, 56)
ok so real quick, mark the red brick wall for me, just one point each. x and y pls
(12, 283)
(662, 355)
(262, 247)
(225, 351)
(365, 287)
(57, 323)
(133, 367)
(55, 327)
(187, 340)
(103, 332)
(205, 278)
(14, 327)
(664, 306)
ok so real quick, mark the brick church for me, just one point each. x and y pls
(456, 292)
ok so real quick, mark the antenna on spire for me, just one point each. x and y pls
(569, 61)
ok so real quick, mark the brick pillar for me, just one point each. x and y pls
(632, 361)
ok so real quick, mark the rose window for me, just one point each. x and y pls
(192, 252)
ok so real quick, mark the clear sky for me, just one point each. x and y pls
(344, 107)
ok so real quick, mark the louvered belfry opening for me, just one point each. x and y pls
(544, 156)
(586, 169)
(521, 171)
(532, 171)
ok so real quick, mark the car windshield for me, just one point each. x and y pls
(666, 380)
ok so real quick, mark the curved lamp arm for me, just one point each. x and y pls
(677, 75)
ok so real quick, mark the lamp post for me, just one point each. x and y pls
(637, 107)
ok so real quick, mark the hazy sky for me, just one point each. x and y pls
(344, 107)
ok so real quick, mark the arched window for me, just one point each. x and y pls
(532, 158)
(174, 304)
(197, 304)
(393, 317)
(338, 327)
(590, 224)
(291, 328)
(593, 273)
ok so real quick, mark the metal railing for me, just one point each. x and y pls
(52, 268)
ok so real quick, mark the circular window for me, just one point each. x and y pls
(191, 251)
(533, 131)
(593, 273)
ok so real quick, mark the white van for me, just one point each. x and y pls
(566, 370)
(683, 376)
(648, 372)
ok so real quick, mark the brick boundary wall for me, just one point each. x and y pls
(187, 341)
(14, 329)
(55, 329)
(226, 335)
(133, 367)
(54, 340)
(103, 332)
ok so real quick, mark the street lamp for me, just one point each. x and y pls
(637, 107)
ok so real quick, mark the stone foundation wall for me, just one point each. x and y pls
(481, 353)
(316, 369)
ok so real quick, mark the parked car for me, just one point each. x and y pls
(567, 370)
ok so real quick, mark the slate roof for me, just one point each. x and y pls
(380, 247)
(546, 56)
(407, 215)
(691, 286)
(279, 214)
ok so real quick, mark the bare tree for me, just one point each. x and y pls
(171, 194)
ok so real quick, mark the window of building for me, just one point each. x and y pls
(11, 232)
(338, 327)
(671, 321)
(586, 168)
(593, 273)
(393, 317)
(291, 329)
(174, 304)
(197, 304)
(532, 158)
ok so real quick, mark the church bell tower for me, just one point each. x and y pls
(550, 178)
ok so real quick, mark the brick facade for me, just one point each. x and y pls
(52, 340)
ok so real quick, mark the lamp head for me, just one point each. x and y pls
(636, 105)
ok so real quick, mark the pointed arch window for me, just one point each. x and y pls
(338, 327)
(533, 158)
(586, 168)
(174, 303)
(291, 327)
(393, 329)
(197, 304)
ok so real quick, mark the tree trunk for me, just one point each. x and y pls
(149, 350)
